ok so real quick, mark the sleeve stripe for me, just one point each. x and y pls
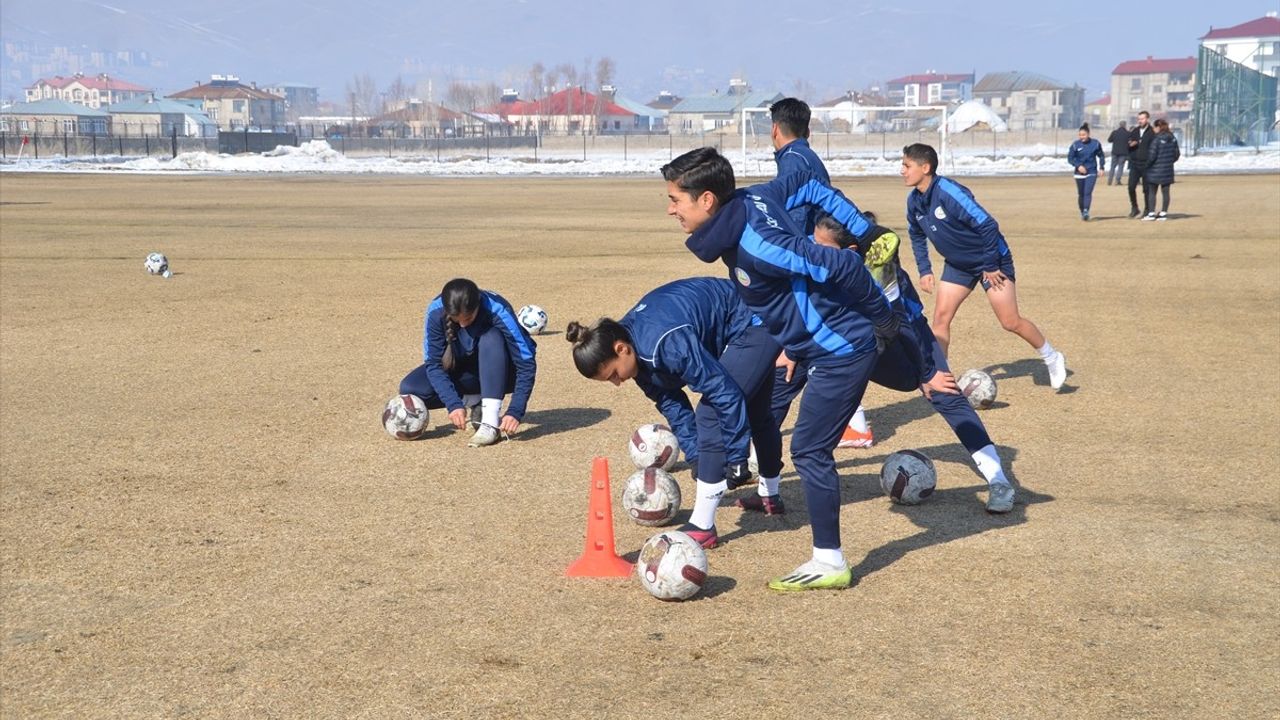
(779, 257)
(842, 209)
(506, 318)
(966, 202)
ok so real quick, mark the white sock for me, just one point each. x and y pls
(489, 408)
(1046, 352)
(706, 500)
(835, 557)
(989, 465)
(765, 487)
(469, 401)
(859, 421)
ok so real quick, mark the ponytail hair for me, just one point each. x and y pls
(459, 296)
(1085, 127)
(594, 346)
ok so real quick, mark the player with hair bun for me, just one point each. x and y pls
(474, 353)
(697, 332)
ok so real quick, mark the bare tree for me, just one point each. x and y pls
(604, 76)
(362, 93)
(397, 93)
(537, 76)
(804, 90)
(462, 96)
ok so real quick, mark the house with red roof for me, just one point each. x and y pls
(1161, 86)
(1254, 44)
(931, 88)
(235, 106)
(568, 112)
(95, 92)
(1098, 113)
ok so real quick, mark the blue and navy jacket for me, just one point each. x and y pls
(1089, 154)
(797, 157)
(819, 303)
(965, 235)
(679, 331)
(494, 311)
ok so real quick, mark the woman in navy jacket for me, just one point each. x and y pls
(1163, 154)
(697, 332)
(1086, 159)
(474, 354)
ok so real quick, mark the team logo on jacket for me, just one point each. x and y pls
(742, 277)
(939, 213)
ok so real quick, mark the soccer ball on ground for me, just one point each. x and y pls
(978, 388)
(672, 566)
(156, 263)
(532, 318)
(405, 417)
(908, 477)
(654, 445)
(651, 496)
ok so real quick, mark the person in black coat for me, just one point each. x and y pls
(1140, 138)
(1161, 155)
(1119, 139)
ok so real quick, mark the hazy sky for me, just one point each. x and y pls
(686, 47)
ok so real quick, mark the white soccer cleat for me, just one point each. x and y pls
(999, 498)
(1057, 370)
(485, 436)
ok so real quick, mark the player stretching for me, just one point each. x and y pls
(969, 240)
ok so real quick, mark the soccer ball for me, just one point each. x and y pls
(908, 477)
(672, 566)
(532, 318)
(654, 445)
(156, 263)
(978, 388)
(651, 496)
(405, 417)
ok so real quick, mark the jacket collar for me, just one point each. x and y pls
(722, 232)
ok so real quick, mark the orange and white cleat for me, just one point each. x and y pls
(854, 439)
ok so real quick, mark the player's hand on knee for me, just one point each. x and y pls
(995, 279)
(785, 362)
(458, 418)
(943, 382)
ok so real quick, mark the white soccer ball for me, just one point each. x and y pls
(651, 497)
(672, 566)
(532, 318)
(654, 445)
(978, 388)
(156, 263)
(405, 417)
(908, 477)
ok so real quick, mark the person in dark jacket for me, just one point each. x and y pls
(474, 353)
(1119, 139)
(790, 135)
(697, 332)
(1161, 156)
(1086, 160)
(1140, 138)
(820, 304)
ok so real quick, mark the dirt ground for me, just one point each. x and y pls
(202, 516)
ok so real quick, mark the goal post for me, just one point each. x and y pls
(858, 119)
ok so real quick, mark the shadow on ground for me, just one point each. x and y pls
(558, 420)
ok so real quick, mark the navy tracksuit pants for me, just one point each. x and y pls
(482, 367)
(749, 360)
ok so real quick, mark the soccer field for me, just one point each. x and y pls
(201, 515)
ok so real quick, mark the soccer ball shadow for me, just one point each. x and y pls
(1032, 367)
(714, 584)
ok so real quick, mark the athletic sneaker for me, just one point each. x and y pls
(1148, 217)
(1057, 369)
(706, 538)
(814, 575)
(769, 505)
(474, 418)
(999, 498)
(1162, 216)
(1084, 215)
(854, 439)
(1134, 212)
(486, 435)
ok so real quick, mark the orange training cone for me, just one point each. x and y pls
(599, 559)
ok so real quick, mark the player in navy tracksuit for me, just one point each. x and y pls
(820, 304)
(474, 353)
(1086, 159)
(696, 332)
(790, 134)
(944, 212)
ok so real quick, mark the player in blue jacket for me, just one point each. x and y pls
(820, 304)
(474, 354)
(942, 211)
(1086, 159)
(697, 332)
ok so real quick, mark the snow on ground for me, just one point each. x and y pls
(318, 157)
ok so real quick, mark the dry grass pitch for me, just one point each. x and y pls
(202, 516)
